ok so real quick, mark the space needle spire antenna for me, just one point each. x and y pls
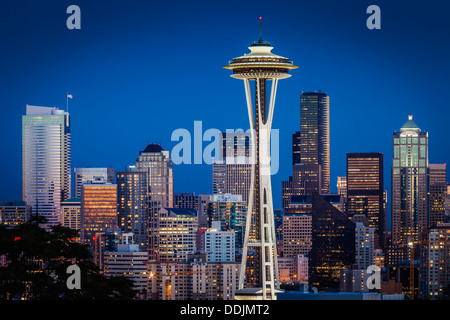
(265, 69)
(260, 28)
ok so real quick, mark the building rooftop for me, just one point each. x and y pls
(182, 211)
(152, 147)
(71, 200)
(410, 125)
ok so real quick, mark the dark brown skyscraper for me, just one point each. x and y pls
(365, 190)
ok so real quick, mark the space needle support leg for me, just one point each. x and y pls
(243, 268)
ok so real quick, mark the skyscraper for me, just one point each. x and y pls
(133, 204)
(98, 211)
(365, 189)
(46, 161)
(409, 183)
(315, 133)
(333, 244)
(158, 166)
(261, 65)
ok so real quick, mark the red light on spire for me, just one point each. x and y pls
(260, 18)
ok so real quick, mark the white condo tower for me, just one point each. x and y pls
(260, 65)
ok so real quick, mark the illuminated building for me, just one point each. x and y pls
(436, 203)
(409, 180)
(194, 279)
(176, 234)
(92, 175)
(438, 172)
(434, 271)
(231, 211)
(364, 245)
(232, 178)
(315, 134)
(297, 230)
(296, 148)
(98, 210)
(305, 180)
(365, 191)
(71, 214)
(126, 260)
(185, 200)
(46, 161)
(342, 189)
(14, 213)
(159, 167)
(156, 162)
(260, 65)
(219, 245)
(333, 244)
(133, 204)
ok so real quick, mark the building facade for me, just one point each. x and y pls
(365, 191)
(315, 133)
(46, 161)
(409, 179)
(133, 204)
(98, 211)
(91, 175)
(14, 213)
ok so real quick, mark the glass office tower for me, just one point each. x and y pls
(133, 204)
(409, 183)
(46, 161)
(315, 134)
(365, 190)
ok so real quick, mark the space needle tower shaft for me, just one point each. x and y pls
(261, 67)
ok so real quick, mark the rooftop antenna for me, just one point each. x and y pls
(260, 28)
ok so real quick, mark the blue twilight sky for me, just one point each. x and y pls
(138, 70)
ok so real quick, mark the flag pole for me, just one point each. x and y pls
(67, 105)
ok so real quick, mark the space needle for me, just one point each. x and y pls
(264, 68)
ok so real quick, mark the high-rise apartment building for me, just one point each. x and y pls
(437, 195)
(315, 133)
(220, 246)
(133, 204)
(365, 191)
(91, 175)
(434, 271)
(409, 184)
(364, 246)
(46, 161)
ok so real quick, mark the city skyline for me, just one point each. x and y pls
(341, 191)
(110, 84)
